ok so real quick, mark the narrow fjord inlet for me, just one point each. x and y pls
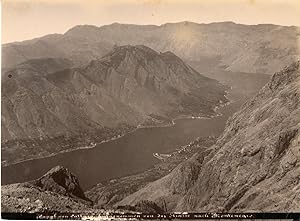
(127, 155)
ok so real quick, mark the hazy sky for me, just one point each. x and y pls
(27, 19)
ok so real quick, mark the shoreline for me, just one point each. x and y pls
(69, 150)
(217, 114)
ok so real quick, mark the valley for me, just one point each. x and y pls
(63, 109)
(126, 155)
(133, 165)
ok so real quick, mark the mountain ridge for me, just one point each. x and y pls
(269, 47)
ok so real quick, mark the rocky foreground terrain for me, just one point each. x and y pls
(57, 191)
(252, 167)
(48, 104)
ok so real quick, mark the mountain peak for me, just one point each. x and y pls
(60, 180)
(139, 52)
(82, 31)
(57, 170)
(134, 48)
(82, 27)
(57, 190)
(170, 56)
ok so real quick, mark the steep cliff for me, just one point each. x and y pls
(254, 166)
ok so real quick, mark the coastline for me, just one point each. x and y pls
(69, 150)
(163, 156)
(216, 114)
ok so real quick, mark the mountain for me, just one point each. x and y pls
(62, 181)
(45, 100)
(57, 190)
(42, 66)
(254, 165)
(261, 48)
(78, 50)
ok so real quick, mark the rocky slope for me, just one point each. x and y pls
(129, 86)
(58, 190)
(249, 48)
(254, 166)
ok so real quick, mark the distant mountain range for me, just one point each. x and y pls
(262, 48)
(132, 85)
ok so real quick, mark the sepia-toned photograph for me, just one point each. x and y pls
(150, 109)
